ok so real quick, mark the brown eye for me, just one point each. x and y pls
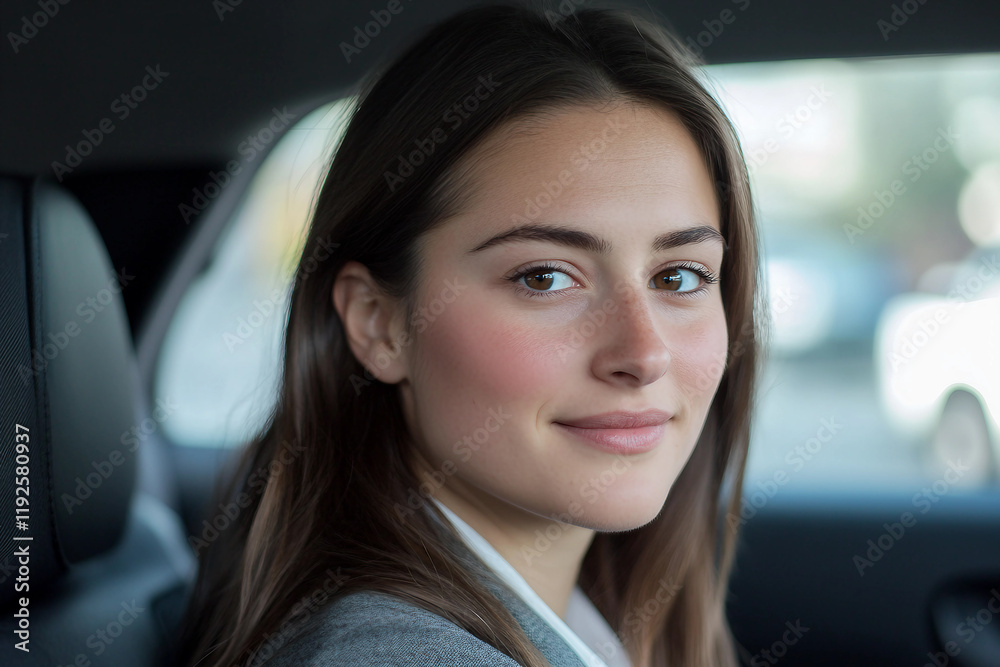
(685, 280)
(670, 279)
(540, 280)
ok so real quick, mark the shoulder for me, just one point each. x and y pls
(368, 628)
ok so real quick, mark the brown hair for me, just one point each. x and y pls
(333, 504)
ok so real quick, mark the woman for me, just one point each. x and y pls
(517, 395)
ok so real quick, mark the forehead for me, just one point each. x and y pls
(624, 168)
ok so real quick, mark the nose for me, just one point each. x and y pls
(633, 352)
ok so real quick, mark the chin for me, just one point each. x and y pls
(617, 520)
(613, 512)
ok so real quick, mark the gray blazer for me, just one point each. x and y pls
(371, 629)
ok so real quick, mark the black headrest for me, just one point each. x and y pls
(66, 374)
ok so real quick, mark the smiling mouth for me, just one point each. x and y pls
(621, 419)
(618, 440)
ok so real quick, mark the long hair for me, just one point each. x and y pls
(320, 487)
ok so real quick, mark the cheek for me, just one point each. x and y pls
(700, 357)
(500, 355)
(471, 360)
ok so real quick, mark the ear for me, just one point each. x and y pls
(373, 323)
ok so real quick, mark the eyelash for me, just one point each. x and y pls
(707, 276)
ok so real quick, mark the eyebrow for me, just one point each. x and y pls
(576, 238)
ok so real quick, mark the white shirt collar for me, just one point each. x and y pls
(582, 617)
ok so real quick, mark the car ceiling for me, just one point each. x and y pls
(230, 62)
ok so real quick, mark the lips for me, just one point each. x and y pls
(620, 432)
(620, 420)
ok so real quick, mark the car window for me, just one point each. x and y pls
(877, 185)
(222, 353)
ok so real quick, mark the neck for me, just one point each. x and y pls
(546, 553)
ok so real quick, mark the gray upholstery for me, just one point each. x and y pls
(109, 566)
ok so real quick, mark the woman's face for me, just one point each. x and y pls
(498, 363)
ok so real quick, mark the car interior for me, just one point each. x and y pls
(139, 139)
